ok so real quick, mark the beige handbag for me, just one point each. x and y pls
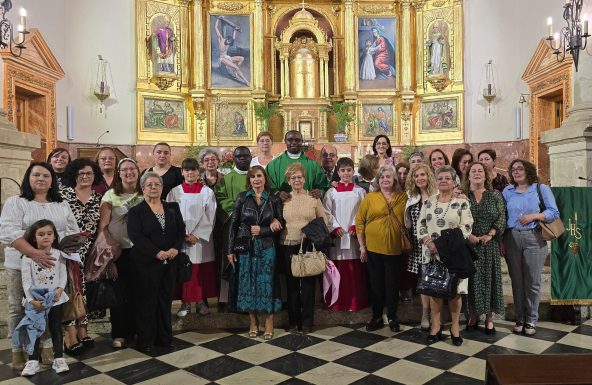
(549, 230)
(308, 264)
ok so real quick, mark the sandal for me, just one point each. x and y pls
(268, 336)
(74, 350)
(253, 333)
(87, 342)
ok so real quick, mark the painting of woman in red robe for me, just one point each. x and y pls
(377, 56)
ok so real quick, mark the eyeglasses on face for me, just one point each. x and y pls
(86, 174)
(296, 177)
(154, 184)
(127, 169)
(517, 169)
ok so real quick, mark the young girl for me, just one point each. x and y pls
(341, 205)
(198, 207)
(43, 236)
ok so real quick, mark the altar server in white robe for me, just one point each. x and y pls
(341, 204)
(198, 207)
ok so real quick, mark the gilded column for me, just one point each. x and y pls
(350, 29)
(322, 76)
(258, 45)
(287, 75)
(198, 49)
(326, 71)
(407, 93)
(282, 75)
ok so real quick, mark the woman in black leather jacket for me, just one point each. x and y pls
(255, 222)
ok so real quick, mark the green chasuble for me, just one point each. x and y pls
(228, 189)
(315, 176)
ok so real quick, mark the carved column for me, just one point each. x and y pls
(407, 93)
(287, 75)
(322, 76)
(350, 53)
(258, 45)
(198, 49)
(282, 73)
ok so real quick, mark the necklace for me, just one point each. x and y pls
(440, 222)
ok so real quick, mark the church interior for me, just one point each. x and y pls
(428, 74)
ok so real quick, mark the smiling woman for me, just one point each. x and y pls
(39, 199)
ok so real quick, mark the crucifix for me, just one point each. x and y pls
(303, 4)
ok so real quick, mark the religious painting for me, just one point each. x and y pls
(161, 46)
(376, 53)
(164, 114)
(230, 51)
(441, 114)
(232, 121)
(438, 50)
(377, 119)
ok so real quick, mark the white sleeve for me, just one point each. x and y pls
(204, 228)
(63, 272)
(72, 225)
(27, 278)
(329, 205)
(11, 220)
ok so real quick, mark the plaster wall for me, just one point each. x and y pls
(506, 31)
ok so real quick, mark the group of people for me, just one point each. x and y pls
(84, 221)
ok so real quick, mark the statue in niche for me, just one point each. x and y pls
(161, 46)
(439, 51)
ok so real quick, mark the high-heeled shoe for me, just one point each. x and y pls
(456, 340)
(436, 337)
(470, 327)
(489, 331)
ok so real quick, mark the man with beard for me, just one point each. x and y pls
(315, 181)
(233, 184)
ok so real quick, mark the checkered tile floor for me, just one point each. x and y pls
(332, 355)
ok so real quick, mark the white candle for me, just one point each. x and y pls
(550, 25)
(24, 18)
(585, 22)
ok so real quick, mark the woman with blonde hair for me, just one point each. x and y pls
(421, 184)
(299, 210)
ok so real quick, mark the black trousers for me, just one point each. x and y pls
(385, 275)
(54, 325)
(123, 318)
(153, 296)
(301, 291)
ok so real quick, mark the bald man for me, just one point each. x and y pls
(329, 160)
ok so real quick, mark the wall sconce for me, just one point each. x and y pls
(489, 93)
(102, 90)
(7, 40)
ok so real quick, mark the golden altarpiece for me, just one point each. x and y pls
(203, 67)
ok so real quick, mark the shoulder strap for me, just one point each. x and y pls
(391, 211)
(542, 206)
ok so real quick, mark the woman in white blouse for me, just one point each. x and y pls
(39, 199)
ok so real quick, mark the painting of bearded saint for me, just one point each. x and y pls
(376, 53)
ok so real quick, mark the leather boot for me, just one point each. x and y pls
(18, 360)
(46, 356)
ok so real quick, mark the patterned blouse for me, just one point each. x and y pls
(435, 217)
(87, 216)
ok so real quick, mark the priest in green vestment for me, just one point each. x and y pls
(316, 182)
(226, 192)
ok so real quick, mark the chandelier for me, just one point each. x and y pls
(573, 37)
(7, 39)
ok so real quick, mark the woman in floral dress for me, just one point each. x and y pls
(489, 213)
(79, 177)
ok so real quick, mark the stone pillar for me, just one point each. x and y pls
(570, 148)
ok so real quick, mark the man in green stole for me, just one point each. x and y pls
(316, 182)
(226, 193)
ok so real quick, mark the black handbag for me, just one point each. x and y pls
(184, 267)
(104, 293)
(435, 280)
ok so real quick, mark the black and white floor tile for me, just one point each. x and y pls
(332, 355)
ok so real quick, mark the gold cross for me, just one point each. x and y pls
(302, 4)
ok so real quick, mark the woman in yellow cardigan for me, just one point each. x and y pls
(379, 236)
